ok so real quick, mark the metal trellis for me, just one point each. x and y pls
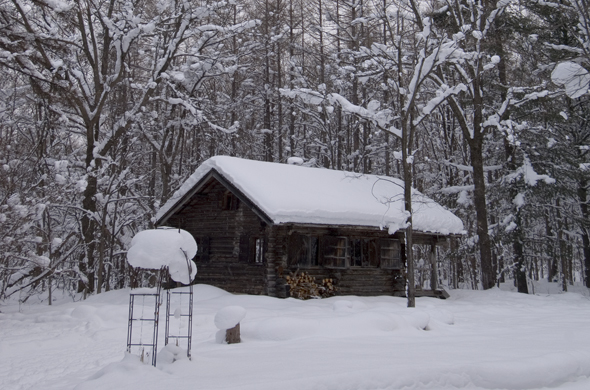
(189, 315)
(142, 319)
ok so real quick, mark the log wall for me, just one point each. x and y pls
(365, 281)
(218, 231)
(220, 225)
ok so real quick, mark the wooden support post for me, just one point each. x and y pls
(433, 268)
(232, 336)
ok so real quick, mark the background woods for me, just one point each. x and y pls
(106, 107)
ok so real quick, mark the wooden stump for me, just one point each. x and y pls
(232, 336)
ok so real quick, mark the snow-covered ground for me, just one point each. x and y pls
(475, 340)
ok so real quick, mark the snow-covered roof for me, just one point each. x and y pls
(298, 194)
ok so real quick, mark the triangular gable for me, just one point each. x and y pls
(198, 187)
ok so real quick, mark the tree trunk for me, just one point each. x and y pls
(407, 167)
(479, 200)
(583, 199)
(88, 232)
(520, 271)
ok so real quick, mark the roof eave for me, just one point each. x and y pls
(360, 226)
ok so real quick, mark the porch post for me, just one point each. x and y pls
(433, 267)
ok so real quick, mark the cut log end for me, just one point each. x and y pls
(232, 336)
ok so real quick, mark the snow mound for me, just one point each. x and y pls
(345, 322)
(165, 247)
(417, 319)
(205, 292)
(363, 323)
(229, 316)
(345, 306)
(122, 375)
(441, 316)
(86, 313)
(170, 354)
(499, 340)
(283, 328)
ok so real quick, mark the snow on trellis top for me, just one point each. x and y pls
(165, 247)
(298, 194)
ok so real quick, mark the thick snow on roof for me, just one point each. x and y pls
(297, 194)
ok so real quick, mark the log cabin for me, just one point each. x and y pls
(257, 222)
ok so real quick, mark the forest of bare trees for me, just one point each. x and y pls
(107, 106)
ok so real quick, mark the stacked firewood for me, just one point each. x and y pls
(304, 286)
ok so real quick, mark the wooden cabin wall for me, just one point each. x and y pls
(279, 236)
(225, 230)
(275, 286)
(365, 281)
(219, 229)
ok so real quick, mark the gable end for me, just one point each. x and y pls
(213, 174)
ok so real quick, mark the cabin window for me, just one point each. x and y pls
(202, 249)
(390, 253)
(308, 251)
(356, 252)
(252, 249)
(303, 250)
(229, 201)
(363, 252)
(335, 251)
(258, 250)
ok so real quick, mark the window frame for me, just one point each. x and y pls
(229, 201)
(332, 260)
(203, 249)
(390, 262)
(344, 252)
(258, 250)
(252, 249)
(311, 257)
(368, 248)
